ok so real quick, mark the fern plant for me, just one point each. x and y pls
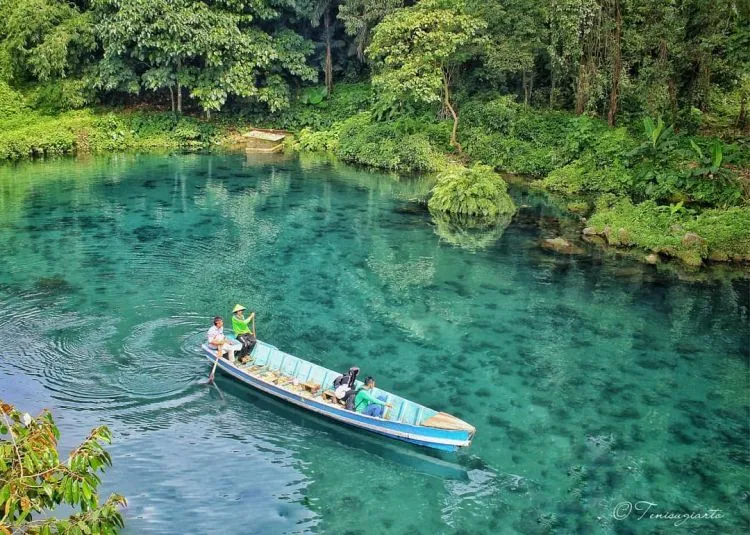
(476, 192)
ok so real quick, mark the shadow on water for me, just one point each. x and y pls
(436, 464)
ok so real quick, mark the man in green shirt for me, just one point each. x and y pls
(242, 332)
(366, 403)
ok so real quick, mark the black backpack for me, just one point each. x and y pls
(349, 398)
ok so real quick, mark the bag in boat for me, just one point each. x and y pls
(341, 390)
(349, 399)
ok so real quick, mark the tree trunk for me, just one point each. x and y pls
(179, 87)
(672, 89)
(447, 103)
(581, 88)
(742, 117)
(531, 85)
(329, 61)
(616, 67)
(171, 98)
(526, 81)
(552, 80)
(704, 82)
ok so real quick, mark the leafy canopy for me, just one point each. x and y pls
(43, 39)
(417, 47)
(34, 481)
(211, 48)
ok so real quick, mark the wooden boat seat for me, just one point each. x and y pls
(311, 387)
(444, 420)
(329, 397)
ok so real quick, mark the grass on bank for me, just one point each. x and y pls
(26, 132)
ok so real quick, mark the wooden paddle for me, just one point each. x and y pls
(218, 356)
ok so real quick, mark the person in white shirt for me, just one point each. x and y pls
(219, 342)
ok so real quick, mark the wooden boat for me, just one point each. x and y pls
(310, 386)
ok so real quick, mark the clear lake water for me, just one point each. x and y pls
(594, 382)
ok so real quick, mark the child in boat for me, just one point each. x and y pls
(343, 384)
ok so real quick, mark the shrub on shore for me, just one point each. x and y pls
(714, 234)
(395, 146)
(473, 192)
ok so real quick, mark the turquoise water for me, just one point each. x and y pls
(592, 381)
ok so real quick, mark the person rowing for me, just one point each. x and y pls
(217, 340)
(242, 331)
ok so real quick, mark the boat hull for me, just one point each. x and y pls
(441, 439)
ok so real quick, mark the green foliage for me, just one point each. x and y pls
(386, 146)
(515, 138)
(33, 480)
(313, 95)
(32, 135)
(669, 230)
(659, 145)
(44, 39)
(476, 192)
(345, 101)
(361, 16)
(664, 170)
(11, 102)
(419, 51)
(208, 48)
(323, 141)
(581, 155)
(584, 176)
(416, 46)
(61, 95)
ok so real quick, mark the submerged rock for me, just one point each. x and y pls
(54, 285)
(561, 245)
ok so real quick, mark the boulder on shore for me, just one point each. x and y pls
(691, 239)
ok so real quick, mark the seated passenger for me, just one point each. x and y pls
(344, 383)
(217, 340)
(366, 403)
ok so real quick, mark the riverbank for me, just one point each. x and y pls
(667, 195)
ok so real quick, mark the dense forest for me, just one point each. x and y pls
(617, 105)
(611, 58)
